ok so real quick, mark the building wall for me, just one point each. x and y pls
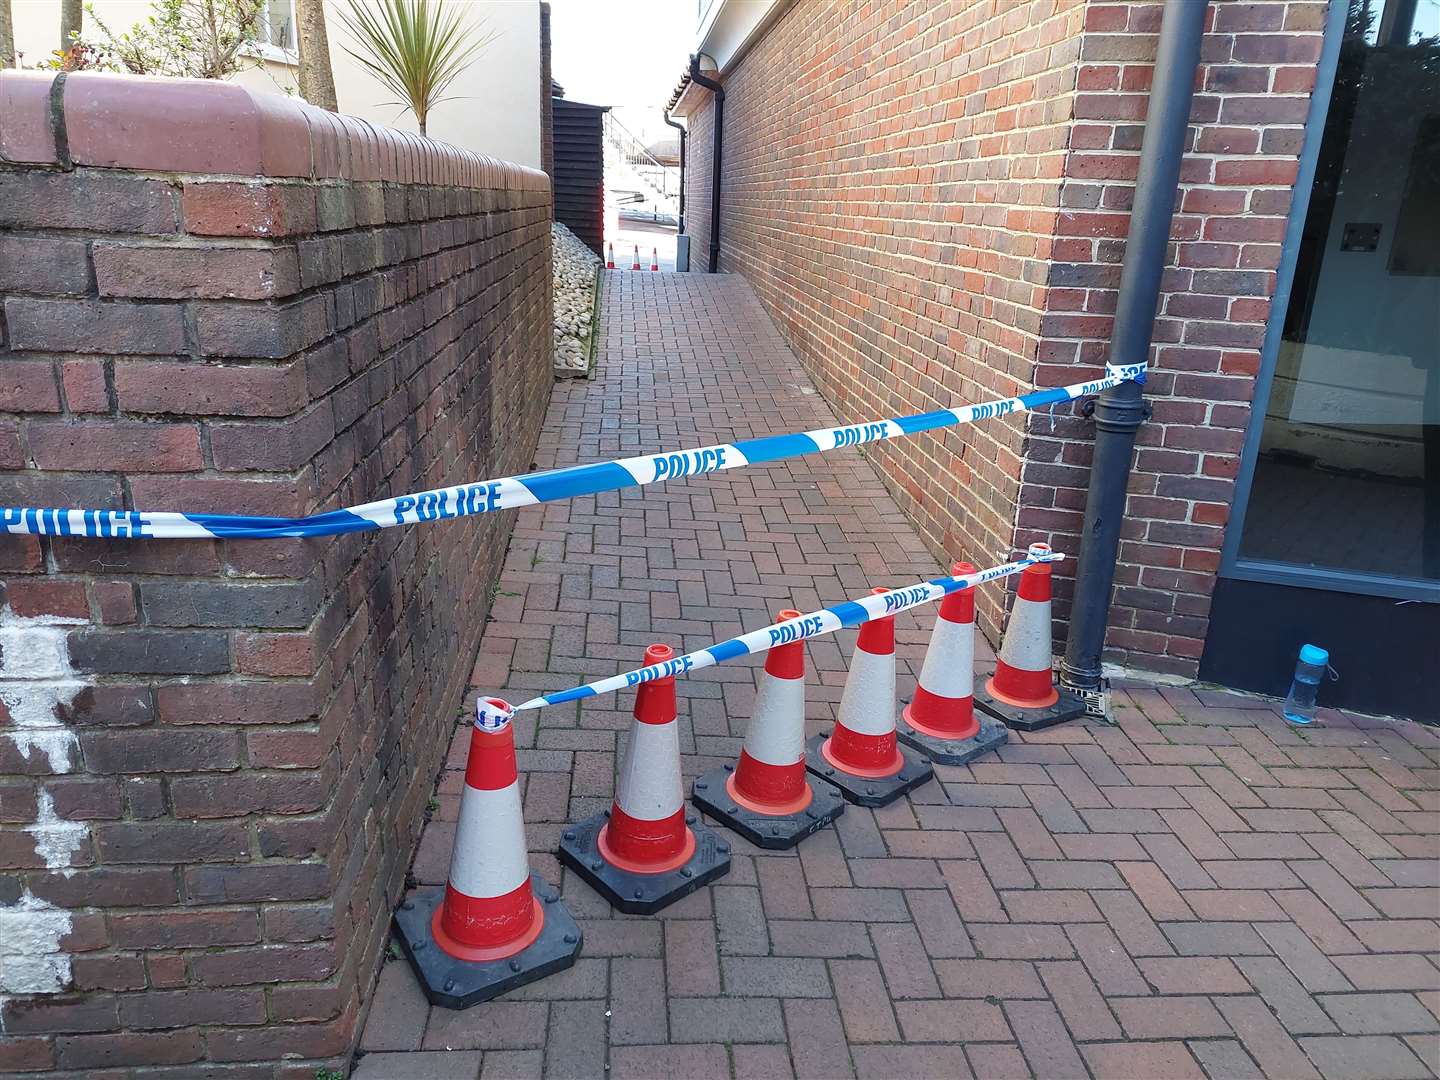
(1258, 66)
(215, 756)
(493, 107)
(891, 181)
(932, 202)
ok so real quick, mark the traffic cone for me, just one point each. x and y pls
(766, 797)
(646, 852)
(1022, 690)
(654, 258)
(940, 720)
(636, 264)
(494, 926)
(610, 257)
(861, 756)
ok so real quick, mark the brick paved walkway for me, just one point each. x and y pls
(1199, 891)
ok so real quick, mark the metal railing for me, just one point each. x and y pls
(627, 155)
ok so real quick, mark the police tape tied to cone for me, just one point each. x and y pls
(511, 492)
(815, 624)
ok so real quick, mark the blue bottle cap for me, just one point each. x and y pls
(1313, 654)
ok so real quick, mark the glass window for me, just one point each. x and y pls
(1348, 473)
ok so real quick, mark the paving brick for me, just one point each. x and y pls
(1044, 1040)
(1193, 975)
(1377, 1014)
(887, 1062)
(648, 1062)
(1142, 1061)
(1225, 1058)
(1372, 1057)
(817, 1040)
(864, 1003)
(998, 1061)
(398, 1012)
(784, 976)
(575, 1045)
(951, 1021)
(637, 1003)
(430, 1065)
(498, 1025)
(726, 1020)
(758, 1062)
(692, 966)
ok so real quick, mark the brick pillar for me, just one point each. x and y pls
(215, 755)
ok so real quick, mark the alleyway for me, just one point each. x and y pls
(1198, 891)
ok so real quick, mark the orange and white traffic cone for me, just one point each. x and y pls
(1022, 690)
(646, 852)
(940, 720)
(654, 258)
(610, 257)
(636, 264)
(861, 756)
(767, 797)
(494, 926)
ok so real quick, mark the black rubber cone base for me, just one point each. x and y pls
(865, 790)
(991, 736)
(1067, 708)
(459, 984)
(773, 831)
(642, 894)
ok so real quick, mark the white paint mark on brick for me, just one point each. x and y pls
(56, 839)
(37, 681)
(37, 684)
(31, 960)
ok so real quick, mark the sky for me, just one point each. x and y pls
(628, 53)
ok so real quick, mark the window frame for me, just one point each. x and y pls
(1232, 563)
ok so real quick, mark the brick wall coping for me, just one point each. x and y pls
(155, 124)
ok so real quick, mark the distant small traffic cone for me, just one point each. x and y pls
(636, 264)
(654, 258)
(1022, 690)
(494, 926)
(610, 257)
(767, 797)
(940, 720)
(646, 852)
(861, 756)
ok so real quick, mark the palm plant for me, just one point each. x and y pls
(415, 48)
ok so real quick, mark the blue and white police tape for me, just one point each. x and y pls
(815, 624)
(510, 492)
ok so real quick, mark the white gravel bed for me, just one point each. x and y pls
(574, 267)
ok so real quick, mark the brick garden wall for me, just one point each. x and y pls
(215, 756)
(931, 202)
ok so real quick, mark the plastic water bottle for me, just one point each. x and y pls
(1309, 671)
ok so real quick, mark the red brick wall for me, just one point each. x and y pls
(215, 756)
(931, 202)
(891, 184)
(699, 152)
(1258, 64)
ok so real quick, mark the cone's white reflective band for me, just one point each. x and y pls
(949, 668)
(777, 730)
(649, 787)
(815, 624)
(507, 493)
(489, 855)
(1027, 638)
(867, 706)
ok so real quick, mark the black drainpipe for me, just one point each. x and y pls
(1119, 411)
(680, 217)
(715, 157)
